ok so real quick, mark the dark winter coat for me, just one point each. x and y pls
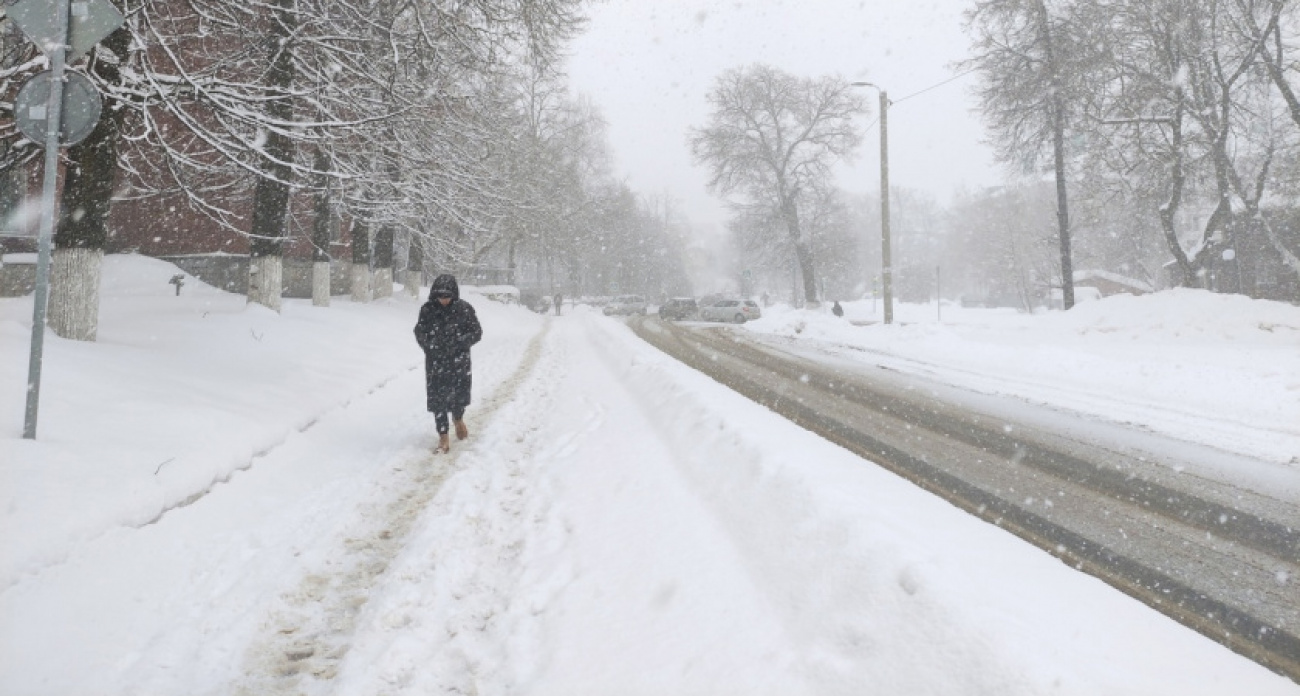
(446, 334)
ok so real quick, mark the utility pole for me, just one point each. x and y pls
(887, 270)
(885, 260)
(938, 295)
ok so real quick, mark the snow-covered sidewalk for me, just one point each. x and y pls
(617, 523)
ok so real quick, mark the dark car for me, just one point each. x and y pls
(678, 308)
(535, 302)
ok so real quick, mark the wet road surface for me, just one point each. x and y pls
(1221, 559)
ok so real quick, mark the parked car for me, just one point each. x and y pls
(738, 311)
(678, 308)
(626, 304)
(535, 302)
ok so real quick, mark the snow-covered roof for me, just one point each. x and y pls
(1142, 285)
(492, 289)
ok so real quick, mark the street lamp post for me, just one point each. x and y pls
(887, 270)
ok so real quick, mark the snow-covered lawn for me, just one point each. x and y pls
(220, 496)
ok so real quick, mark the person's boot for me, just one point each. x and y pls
(444, 444)
(462, 432)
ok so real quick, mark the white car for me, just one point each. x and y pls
(626, 304)
(738, 311)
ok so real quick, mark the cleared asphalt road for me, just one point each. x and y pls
(1223, 560)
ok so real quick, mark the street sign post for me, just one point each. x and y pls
(53, 25)
(79, 114)
(85, 23)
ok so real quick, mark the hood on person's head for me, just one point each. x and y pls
(445, 284)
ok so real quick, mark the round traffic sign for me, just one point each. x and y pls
(81, 108)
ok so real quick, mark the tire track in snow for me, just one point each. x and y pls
(305, 639)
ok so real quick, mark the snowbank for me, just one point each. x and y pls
(178, 394)
(1220, 370)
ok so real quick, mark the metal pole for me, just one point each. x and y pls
(938, 295)
(53, 122)
(887, 265)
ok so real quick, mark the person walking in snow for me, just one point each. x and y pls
(445, 331)
(836, 309)
(559, 303)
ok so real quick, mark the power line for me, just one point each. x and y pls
(934, 86)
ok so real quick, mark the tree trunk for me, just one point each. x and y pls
(383, 276)
(1058, 153)
(1169, 210)
(320, 283)
(266, 280)
(271, 195)
(414, 267)
(1275, 240)
(382, 282)
(802, 252)
(74, 299)
(1062, 205)
(360, 261)
(361, 285)
(510, 263)
(805, 257)
(84, 204)
(320, 235)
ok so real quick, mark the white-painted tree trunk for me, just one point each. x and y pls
(265, 278)
(383, 283)
(412, 283)
(361, 283)
(320, 284)
(74, 293)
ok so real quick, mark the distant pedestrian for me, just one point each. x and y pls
(836, 309)
(447, 327)
(559, 303)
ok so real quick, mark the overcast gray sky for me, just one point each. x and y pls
(648, 65)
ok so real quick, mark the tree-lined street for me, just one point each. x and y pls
(616, 520)
(1032, 433)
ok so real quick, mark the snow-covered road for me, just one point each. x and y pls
(616, 523)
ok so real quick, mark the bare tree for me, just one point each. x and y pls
(1004, 244)
(772, 138)
(212, 102)
(1024, 54)
(1263, 23)
(1181, 117)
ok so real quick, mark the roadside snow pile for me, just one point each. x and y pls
(1221, 370)
(783, 320)
(1183, 314)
